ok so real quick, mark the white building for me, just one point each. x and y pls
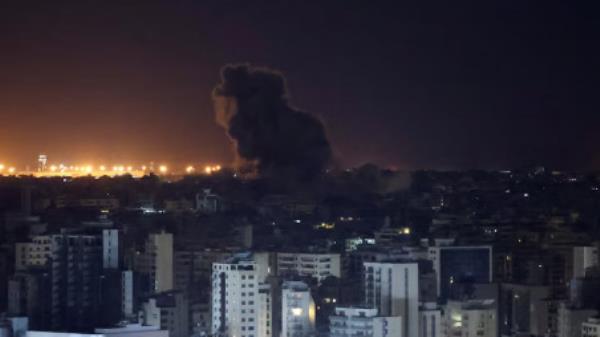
(363, 322)
(110, 248)
(393, 289)
(316, 265)
(157, 261)
(584, 257)
(471, 318)
(298, 310)
(129, 330)
(591, 328)
(430, 320)
(240, 300)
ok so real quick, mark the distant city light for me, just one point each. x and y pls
(46, 168)
(212, 168)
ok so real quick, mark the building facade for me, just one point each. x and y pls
(454, 264)
(393, 289)
(471, 318)
(239, 299)
(353, 321)
(156, 262)
(316, 265)
(298, 310)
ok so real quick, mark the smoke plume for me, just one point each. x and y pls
(270, 136)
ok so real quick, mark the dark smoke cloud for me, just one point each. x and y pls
(269, 135)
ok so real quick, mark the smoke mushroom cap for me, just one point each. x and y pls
(269, 136)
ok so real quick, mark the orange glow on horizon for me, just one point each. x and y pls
(88, 169)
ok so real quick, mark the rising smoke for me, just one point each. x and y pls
(273, 138)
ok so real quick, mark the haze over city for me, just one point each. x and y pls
(484, 85)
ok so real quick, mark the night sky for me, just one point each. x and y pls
(443, 85)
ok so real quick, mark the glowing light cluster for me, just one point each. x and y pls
(87, 169)
(211, 169)
(6, 169)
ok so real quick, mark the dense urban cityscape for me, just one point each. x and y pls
(332, 168)
(474, 253)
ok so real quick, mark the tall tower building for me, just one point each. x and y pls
(157, 262)
(393, 289)
(240, 299)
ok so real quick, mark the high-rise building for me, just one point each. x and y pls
(393, 289)
(298, 310)
(454, 264)
(239, 299)
(76, 267)
(354, 321)
(60, 283)
(193, 270)
(79, 273)
(157, 262)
